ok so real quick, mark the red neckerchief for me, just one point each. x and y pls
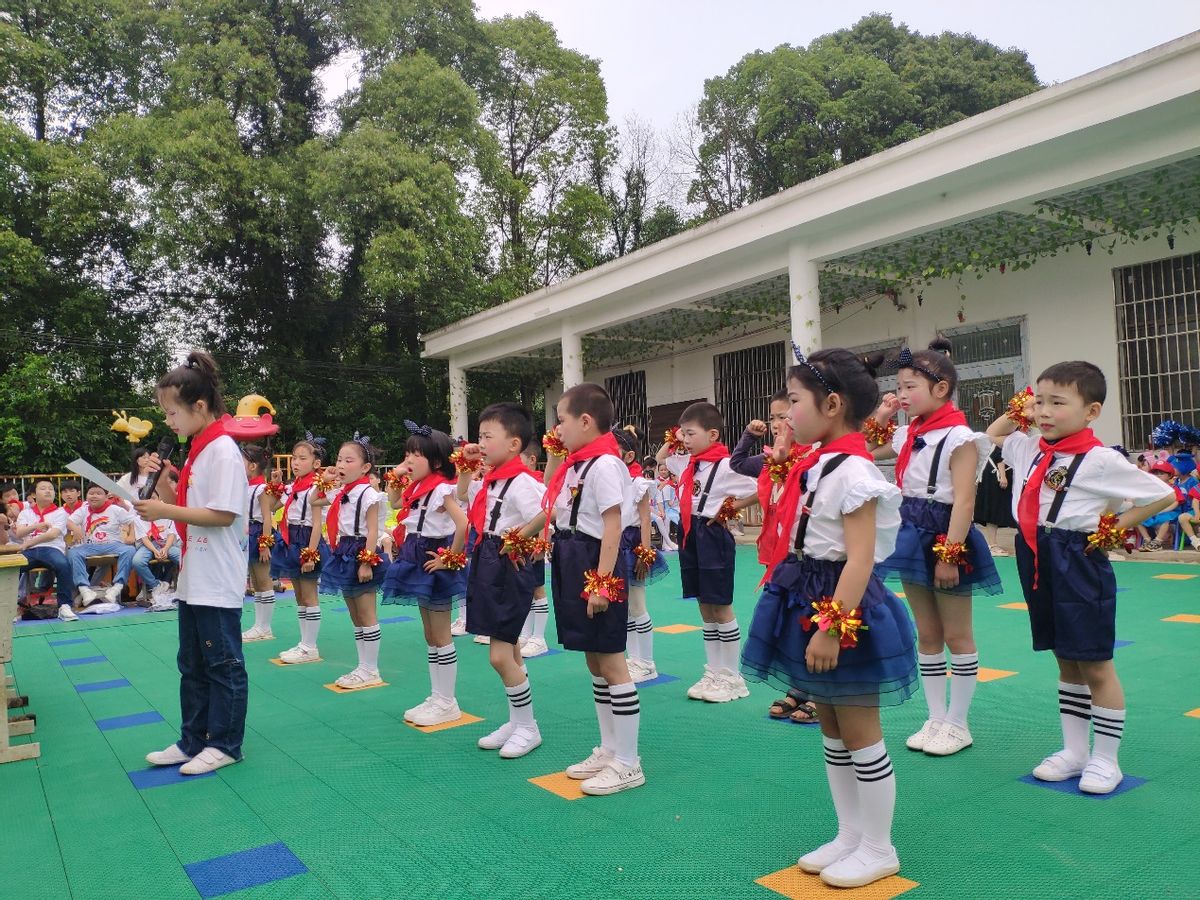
(1029, 507)
(946, 416)
(42, 513)
(257, 480)
(299, 486)
(477, 514)
(418, 489)
(92, 513)
(714, 454)
(155, 532)
(854, 443)
(766, 487)
(331, 520)
(635, 470)
(70, 508)
(210, 433)
(605, 445)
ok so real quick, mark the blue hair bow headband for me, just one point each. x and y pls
(414, 428)
(802, 360)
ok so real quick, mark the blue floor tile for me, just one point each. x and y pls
(394, 619)
(788, 721)
(66, 642)
(161, 776)
(83, 660)
(245, 869)
(90, 686)
(661, 679)
(1071, 786)
(142, 718)
(1121, 644)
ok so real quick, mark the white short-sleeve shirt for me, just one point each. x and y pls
(641, 487)
(350, 508)
(725, 483)
(213, 572)
(437, 521)
(916, 475)
(606, 485)
(56, 519)
(301, 510)
(847, 488)
(676, 463)
(166, 528)
(103, 527)
(254, 494)
(522, 502)
(1103, 482)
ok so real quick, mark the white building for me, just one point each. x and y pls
(708, 313)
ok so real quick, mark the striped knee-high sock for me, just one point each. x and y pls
(876, 796)
(447, 663)
(520, 704)
(1108, 725)
(1075, 713)
(712, 646)
(627, 716)
(730, 636)
(964, 673)
(371, 636)
(933, 683)
(604, 713)
(310, 625)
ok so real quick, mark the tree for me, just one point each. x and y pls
(781, 117)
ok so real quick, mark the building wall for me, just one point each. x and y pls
(1067, 302)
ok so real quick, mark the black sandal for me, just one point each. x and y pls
(784, 708)
(806, 713)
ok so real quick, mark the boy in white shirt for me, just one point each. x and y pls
(40, 529)
(98, 526)
(157, 542)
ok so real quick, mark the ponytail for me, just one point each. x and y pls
(197, 379)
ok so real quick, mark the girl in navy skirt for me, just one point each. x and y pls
(354, 568)
(258, 550)
(300, 552)
(590, 495)
(429, 569)
(638, 562)
(940, 557)
(825, 626)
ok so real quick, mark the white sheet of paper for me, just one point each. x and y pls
(94, 475)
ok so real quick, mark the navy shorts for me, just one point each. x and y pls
(706, 563)
(606, 632)
(499, 593)
(1073, 610)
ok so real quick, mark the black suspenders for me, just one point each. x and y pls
(424, 509)
(578, 498)
(304, 505)
(494, 520)
(712, 475)
(358, 513)
(253, 497)
(931, 487)
(806, 503)
(1061, 494)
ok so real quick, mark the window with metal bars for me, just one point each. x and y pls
(628, 394)
(1158, 344)
(744, 381)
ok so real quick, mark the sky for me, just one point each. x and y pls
(655, 54)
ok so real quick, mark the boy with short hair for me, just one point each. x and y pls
(1063, 483)
(97, 527)
(70, 496)
(710, 494)
(40, 529)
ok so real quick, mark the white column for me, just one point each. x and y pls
(572, 357)
(551, 396)
(805, 296)
(458, 401)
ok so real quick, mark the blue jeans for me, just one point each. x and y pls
(142, 558)
(77, 557)
(55, 559)
(212, 680)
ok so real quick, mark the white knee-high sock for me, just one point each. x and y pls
(933, 683)
(541, 614)
(604, 714)
(631, 638)
(1075, 713)
(527, 628)
(358, 644)
(310, 625)
(964, 673)
(730, 636)
(520, 704)
(627, 716)
(645, 638)
(447, 658)
(843, 788)
(712, 646)
(264, 609)
(876, 797)
(370, 643)
(435, 671)
(1108, 725)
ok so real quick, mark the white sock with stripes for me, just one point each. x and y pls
(876, 799)
(644, 629)
(933, 683)
(310, 625)
(964, 674)
(541, 614)
(371, 636)
(843, 788)
(1108, 725)
(604, 715)
(520, 704)
(358, 644)
(627, 716)
(435, 671)
(1075, 712)
(730, 636)
(447, 659)
(712, 646)
(264, 609)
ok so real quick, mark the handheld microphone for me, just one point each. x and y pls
(166, 448)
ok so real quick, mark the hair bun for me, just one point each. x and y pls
(941, 345)
(873, 362)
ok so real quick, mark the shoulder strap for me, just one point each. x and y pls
(806, 506)
(1061, 495)
(499, 505)
(931, 488)
(712, 475)
(358, 512)
(578, 498)
(424, 509)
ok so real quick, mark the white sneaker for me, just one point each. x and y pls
(482, 639)
(524, 739)
(592, 766)
(207, 760)
(949, 739)
(87, 596)
(358, 679)
(171, 756)
(497, 738)
(1100, 776)
(1060, 766)
(439, 711)
(1195, 542)
(459, 626)
(647, 671)
(614, 778)
(826, 855)
(66, 614)
(860, 868)
(161, 594)
(418, 709)
(255, 633)
(300, 654)
(535, 647)
(924, 736)
(113, 594)
(728, 685)
(706, 683)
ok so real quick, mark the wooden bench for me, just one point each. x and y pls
(10, 568)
